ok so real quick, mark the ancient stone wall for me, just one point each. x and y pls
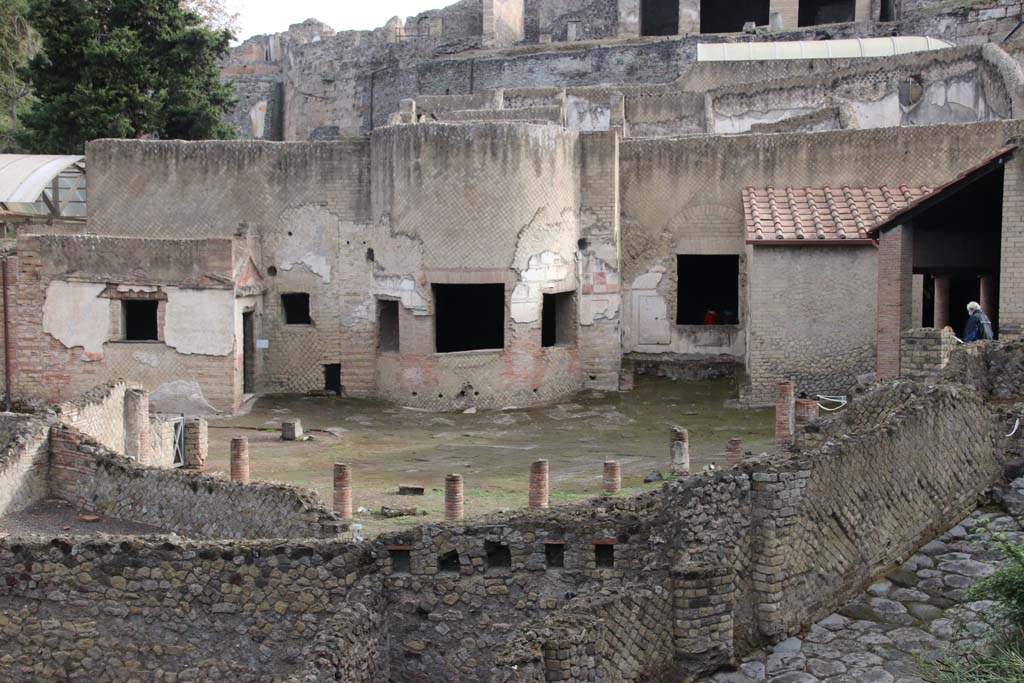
(830, 519)
(99, 414)
(24, 461)
(924, 352)
(91, 478)
(162, 608)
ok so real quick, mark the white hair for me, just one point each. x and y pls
(973, 306)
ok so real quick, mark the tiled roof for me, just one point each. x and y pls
(822, 213)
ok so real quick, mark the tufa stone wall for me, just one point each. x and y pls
(90, 477)
(924, 352)
(24, 461)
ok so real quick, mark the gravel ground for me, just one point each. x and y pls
(56, 518)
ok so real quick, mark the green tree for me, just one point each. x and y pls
(17, 44)
(125, 69)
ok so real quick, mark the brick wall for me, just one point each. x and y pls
(1011, 269)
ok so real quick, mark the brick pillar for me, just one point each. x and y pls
(136, 425)
(539, 485)
(785, 414)
(679, 449)
(240, 459)
(734, 451)
(807, 409)
(454, 502)
(197, 443)
(917, 298)
(941, 307)
(343, 490)
(986, 294)
(895, 293)
(612, 476)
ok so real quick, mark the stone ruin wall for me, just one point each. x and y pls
(290, 86)
(702, 571)
(24, 462)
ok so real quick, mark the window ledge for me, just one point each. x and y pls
(136, 341)
(730, 328)
(474, 352)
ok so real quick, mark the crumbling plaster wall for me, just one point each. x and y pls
(678, 192)
(477, 203)
(65, 345)
(24, 461)
(302, 211)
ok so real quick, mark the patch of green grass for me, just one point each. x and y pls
(1001, 661)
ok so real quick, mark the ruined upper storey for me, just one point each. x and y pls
(312, 83)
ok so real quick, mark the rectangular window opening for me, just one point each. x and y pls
(718, 16)
(401, 560)
(816, 12)
(296, 309)
(139, 320)
(708, 290)
(558, 319)
(448, 562)
(887, 12)
(498, 554)
(659, 17)
(469, 317)
(554, 555)
(604, 555)
(387, 325)
(332, 378)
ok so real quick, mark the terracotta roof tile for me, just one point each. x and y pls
(822, 213)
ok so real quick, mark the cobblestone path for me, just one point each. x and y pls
(879, 637)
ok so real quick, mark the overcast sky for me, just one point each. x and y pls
(274, 16)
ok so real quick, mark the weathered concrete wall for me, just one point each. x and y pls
(92, 478)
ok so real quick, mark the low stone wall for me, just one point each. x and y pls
(109, 610)
(99, 413)
(829, 520)
(24, 456)
(924, 352)
(90, 477)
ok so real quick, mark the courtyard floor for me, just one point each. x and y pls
(388, 445)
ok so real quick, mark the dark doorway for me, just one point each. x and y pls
(558, 321)
(248, 353)
(387, 325)
(554, 555)
(659, 17)
(332, 378)
(814, 12)
(498, 554)
(448, 562)
(888, 11)
(961, 237)
(604, 555)
(469, 317)
(139, 320)
(708, 284)
(728, 16)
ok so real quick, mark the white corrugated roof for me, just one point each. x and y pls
(817, 49)
(23, 177)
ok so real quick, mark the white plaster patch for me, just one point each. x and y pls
(200, 321)
(74, 315)
(546, 269)
(883, 113)
(647, 281)
(604, 307)
(258, 118)
(137, 288)
(305, 237)
(582, 114)
(149, 359)
(403, 288)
